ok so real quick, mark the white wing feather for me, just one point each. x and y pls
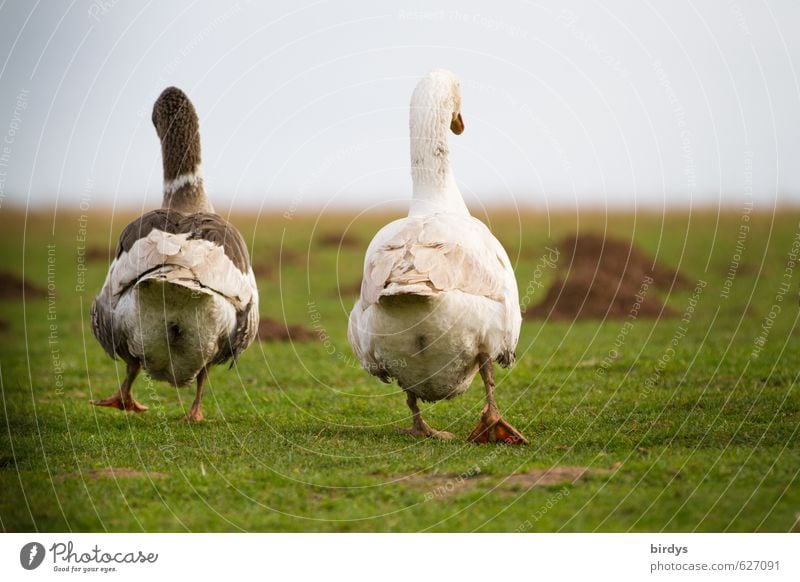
(435, 254)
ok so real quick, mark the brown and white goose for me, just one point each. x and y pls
(180, 294)
(438, 298)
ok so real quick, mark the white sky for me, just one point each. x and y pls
(306, 104)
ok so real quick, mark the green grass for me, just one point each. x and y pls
(298, 438)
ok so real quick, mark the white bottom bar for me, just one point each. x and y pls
(403, 557)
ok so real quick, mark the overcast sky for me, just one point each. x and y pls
(306, 103)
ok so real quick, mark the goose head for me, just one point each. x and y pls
(176, 123)
(437, 100)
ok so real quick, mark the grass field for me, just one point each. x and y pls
(683, 426)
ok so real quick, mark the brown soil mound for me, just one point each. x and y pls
(447, 485)
(557, 475)
(116, 473)
(590, 252)
(606, 278)
(588, 296)
(442, 484)
(262, 270)
(265, 268)
(271, 330)
(13, 287)
(348, 289)
(334, 239)
(98, 255)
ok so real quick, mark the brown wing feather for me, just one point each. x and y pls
(202, 225)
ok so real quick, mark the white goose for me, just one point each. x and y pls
(180, 294)
(438, 298)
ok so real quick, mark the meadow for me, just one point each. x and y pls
(680, 423)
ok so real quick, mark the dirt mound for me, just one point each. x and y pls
(116, 473)
(99, 255)
(272, 330)
(603, 277)
(588, 296)
(262, 270)
(13, 287)
(334, 239)
(266, 268)
(348, 289)
(590, 252)
(556, 475)
(438, 485)
(448, 484)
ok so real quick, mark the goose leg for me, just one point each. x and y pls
(195, 413)
(420, 428)
(122, 399)
(491, 427)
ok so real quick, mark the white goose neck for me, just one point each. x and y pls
(434, 187)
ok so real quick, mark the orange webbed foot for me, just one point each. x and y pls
(116, 401)
(493, 429)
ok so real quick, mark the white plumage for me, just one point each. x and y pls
(438, 298)
(471, 303)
